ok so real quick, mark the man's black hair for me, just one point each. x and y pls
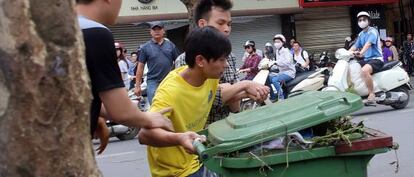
(207, 42)
(204, 7)
(296, 42)
(132, 53)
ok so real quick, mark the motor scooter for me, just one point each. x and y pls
(324, 61)
(305, 81)
(391, 84)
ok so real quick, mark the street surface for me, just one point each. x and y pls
(128, 158)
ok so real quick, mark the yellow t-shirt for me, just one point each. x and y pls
(191, 106)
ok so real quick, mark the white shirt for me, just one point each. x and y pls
(299, 59)
(123, 67)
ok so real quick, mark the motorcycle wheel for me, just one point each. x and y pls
(403, 104)
(130, 134)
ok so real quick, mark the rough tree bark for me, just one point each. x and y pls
(44, 92)
(189, 4)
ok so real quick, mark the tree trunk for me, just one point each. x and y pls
(189, 4)
(44, 92)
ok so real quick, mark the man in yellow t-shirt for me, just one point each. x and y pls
(191, 105)
(190, 91)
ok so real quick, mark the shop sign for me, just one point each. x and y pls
(165, 7)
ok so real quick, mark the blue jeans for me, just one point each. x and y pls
(276, 80)
(151, 88)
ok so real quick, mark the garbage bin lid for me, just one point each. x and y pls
(252, 127)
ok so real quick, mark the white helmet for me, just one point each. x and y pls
(268, 44)
(249, 43)
(281, 37)
(363, 13)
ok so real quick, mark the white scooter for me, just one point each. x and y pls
(391, 84)
(306, 81)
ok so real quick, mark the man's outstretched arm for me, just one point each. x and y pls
(160, 138)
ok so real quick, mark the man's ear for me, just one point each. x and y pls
(202, 23)
(200, 61)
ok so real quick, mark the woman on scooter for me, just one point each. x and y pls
(269, 52)
(284, 62)
(252, 61)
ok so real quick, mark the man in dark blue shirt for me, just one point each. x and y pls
(159, 55)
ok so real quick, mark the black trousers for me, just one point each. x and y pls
(409, 64)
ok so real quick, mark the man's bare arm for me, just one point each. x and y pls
(365, 48)
(138, 78)
(244, 89)
(160, 138)
(120, 109)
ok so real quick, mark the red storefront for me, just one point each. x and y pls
(327, 3)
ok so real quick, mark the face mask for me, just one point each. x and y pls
(363, 24)
(278, 45)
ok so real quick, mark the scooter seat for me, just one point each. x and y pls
(299, 78)
(389, 65)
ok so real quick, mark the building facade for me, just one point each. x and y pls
(324, 24)
(400, 20)
(257, 20)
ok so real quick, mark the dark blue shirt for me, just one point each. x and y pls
(159, 58)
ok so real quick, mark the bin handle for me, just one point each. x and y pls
(330, 104)
(200, 148)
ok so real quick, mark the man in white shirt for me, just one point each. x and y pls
(300, 57)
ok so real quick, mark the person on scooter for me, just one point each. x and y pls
(386, 51)
(300, 57)
(252, 61)
(285, 64)
(269, 52)
(389, 41)
(368, 44)
(258, 52)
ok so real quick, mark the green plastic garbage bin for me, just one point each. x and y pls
(228, 139)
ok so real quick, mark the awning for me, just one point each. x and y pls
(136, 12)
(325, 3)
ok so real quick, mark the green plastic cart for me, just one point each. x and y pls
(228, 139)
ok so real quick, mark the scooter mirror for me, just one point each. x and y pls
(343, 54)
